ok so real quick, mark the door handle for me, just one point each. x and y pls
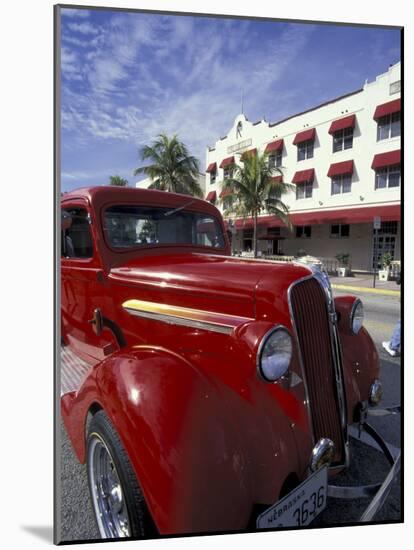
(97, 321)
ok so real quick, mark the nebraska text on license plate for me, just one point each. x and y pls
(299, 507)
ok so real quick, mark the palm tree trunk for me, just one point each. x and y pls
(255, 234)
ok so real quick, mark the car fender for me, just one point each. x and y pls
(361, 367)
(198, 469)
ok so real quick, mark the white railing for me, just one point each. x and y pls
(279, 258)
(395, 269)
(330, 264)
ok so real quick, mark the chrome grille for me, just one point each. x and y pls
(311, 319)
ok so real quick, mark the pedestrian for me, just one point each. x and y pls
(393, 347)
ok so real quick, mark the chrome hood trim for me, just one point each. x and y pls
(188, 317)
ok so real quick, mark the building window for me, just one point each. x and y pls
(395, 87)
(275, 159)
(389, 126)
(341, 184)
(305, 150)
(213, 177)
(304, 190)
(384, 242)
(248, 240)
(228, 172)
(275, 194)
(303, 231)
(339, 231)
(388, 177)
(343, 139)
(390, 228)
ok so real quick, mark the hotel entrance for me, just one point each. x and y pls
(384, 241)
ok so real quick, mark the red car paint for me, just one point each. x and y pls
(207, 438)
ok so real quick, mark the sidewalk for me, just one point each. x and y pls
(363, 283)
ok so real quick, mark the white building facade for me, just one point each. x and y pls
(344, 159)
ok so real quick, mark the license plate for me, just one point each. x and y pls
(301, 506)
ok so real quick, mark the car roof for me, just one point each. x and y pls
(102, 195)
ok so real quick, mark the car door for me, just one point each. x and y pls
(82, 285)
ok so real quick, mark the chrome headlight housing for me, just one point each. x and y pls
(274, 354)
(375, 393)
(357, 317)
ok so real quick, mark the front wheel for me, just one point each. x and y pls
(118, 503)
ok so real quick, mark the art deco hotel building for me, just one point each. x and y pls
(343, 158)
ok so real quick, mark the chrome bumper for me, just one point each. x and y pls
(378, 491)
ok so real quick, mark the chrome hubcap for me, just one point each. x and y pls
(107, 495)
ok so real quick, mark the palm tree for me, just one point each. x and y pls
(118, 181)
(253, 188)
(171, 166)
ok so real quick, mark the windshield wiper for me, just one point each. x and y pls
(169, 212)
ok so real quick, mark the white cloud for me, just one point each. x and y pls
(190, 84)
(105, 74)
(83, 28)
(86, 177)
(70, 64)
(69, 12)
(75, 175)
(69, 39)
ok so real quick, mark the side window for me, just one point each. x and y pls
(76, 240)
(207, 233)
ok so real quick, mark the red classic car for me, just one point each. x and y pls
(206, 393)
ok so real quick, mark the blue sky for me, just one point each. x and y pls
(126, 77)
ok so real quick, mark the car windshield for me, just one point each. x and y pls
(136, 226)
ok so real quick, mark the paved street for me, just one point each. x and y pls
(381, 314)
(78, 522)
(367, 464)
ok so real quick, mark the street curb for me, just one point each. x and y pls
(380, 291)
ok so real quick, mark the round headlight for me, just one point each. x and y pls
(274, 355)
(357, 316)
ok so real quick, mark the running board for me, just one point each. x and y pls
(73, 371)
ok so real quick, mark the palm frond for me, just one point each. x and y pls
(252, 190)
(170, 165)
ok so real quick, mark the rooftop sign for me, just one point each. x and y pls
(239, 146)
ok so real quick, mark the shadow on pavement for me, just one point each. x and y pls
(43, 532)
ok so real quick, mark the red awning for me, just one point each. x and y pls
(390, 212)
(277, 179)
(388, 108)
(274, 146)
(342, 124)
(304, 136)
(212, 167)
(211, 196)
(266, 221)
(386, 159)
(227, 162)
(348, 215)
(303, 175)
(249, 153)
(225, 192)
(341, 168)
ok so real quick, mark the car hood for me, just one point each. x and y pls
(208, 282)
